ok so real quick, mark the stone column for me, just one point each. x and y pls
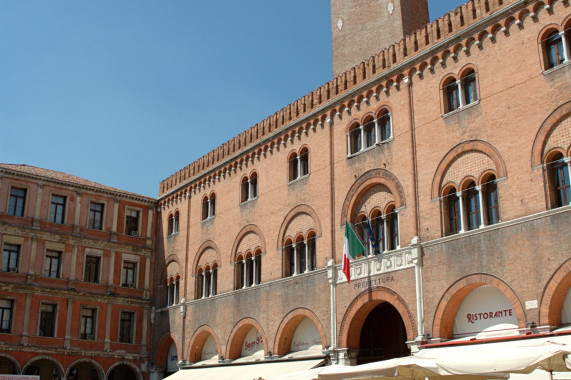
(483, 211)
(245, 273)
(461, 212)
(566, 53)
(67, 339)
(204, 284)
(306, 256)
(348, 144)
(25, 332)
(377, 132)
(362, 129)
(211, 282)
(253, 270)
(295, 272)
(387, 233)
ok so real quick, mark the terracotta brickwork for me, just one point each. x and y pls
(428, 148)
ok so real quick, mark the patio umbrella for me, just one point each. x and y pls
(505, 359)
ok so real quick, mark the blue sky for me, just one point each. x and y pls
(127, 92)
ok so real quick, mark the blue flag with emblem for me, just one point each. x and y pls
(372, 238)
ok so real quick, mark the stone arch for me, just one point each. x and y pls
(207, 244)
(234, 345)
(250, 228)
(289, 324)
(554, 295)
(299, 209)
(452, 299)
(361, 306)
(13, 360)
(367, 180)
(95, 364)
(554, 119)
(128, 364)
(161, 352)
(460, 149)
(44, 357)
(197, 342)
(174, 261)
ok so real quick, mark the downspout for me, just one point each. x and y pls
(415, 242)
(332, 270)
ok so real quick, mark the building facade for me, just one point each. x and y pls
(76, 276)
(454, 142)
(447, 151)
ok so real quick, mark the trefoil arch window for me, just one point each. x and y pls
(248, 269)
(208, 206)
(249, 188)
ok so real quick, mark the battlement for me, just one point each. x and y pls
(421, 40)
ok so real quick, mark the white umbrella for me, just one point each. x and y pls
(512, 359)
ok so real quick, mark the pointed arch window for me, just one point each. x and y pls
(452, 202)
(472, 206)
(492, 207)
(554, 49)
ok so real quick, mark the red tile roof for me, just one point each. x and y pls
(64, 177)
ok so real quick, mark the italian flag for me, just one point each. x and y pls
(351, 248)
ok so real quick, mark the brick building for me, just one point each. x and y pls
(75, 276)
(454, 141)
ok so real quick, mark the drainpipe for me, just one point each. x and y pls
(332, 277)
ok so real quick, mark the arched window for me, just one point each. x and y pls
(492, 207)
(172, 291)
(378, 227)
(370, 133)
(392, 221)
(248, 269)
(560, 186)
(170, 227)
(175, 223)
(301, 256)
(385, 126)
(554, 49)
(469, 88)
(354, 139)
(209, 206)
(206, 281)
(363, 230)
(472, 204)
(303, 162)
(298, 165)
(452, 207)
(452, 95)
(249, 188)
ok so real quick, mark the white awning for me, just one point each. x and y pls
(249, 371)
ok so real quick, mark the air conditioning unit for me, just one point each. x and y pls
(13, 269)
(134, 233)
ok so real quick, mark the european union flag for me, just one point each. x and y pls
(372, 238)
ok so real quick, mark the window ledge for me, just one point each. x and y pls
(371, 147)
(461, 109)
(173, 234)
(208, 219)
(560, 66)
(298, 179)
(249, 201)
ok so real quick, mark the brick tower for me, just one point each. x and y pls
(361, 28)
